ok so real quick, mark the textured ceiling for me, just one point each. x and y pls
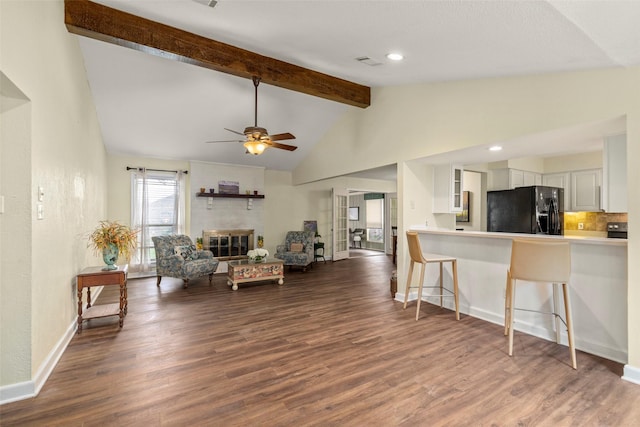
(154, 107)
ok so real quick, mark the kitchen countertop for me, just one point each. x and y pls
(587, 240)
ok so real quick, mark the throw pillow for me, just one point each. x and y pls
(187, 252)
(297, 247)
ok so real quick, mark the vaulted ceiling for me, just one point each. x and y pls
(154, 106)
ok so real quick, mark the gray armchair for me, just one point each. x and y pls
(301, 253)
(176, 256)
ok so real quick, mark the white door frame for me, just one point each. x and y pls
(339, 224)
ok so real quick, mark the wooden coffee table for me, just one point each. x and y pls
(244, 271)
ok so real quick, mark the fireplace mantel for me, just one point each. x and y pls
(231, 196)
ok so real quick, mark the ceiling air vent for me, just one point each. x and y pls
(368, 61)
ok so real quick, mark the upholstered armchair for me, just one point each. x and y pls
(176, 256)
(297, 249)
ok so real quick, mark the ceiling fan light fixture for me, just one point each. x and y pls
(255, 147)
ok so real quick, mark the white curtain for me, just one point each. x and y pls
(140, 263)
(157, 208)
(180, 202)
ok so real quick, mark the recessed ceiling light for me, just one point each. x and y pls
(495, 148)
(395, 56)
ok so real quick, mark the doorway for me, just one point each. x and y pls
(370, 215)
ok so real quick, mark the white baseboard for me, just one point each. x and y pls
(54, 356)
(28, 389)
(631, 374)
(18, 391)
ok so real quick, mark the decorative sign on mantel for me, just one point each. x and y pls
(228, 187)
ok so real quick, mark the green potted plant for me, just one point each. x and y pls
(113, 239)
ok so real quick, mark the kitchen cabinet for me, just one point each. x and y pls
(447, 188)
(585, 190)
(560, 180)
(519, 178)
(508, 179)
(614, 174)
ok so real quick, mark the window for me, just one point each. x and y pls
(157, 208)
(375, 216)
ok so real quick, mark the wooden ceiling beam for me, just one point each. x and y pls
(100, 22)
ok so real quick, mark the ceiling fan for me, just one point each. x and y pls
(257, 139)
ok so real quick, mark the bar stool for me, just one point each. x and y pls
(417, 256)
(542, 262)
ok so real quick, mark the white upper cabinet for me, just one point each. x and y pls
(519, 178)
(585, 190)
(516, 178)
(560, 180)
(508, 179)
(614, 174)
(447, 188)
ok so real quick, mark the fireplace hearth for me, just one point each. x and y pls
(228, 244)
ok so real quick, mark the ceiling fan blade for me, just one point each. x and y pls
(281, 136)
(282, 146)
(234, 131)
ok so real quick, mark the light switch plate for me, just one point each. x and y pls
(40, 193)
(40, 211)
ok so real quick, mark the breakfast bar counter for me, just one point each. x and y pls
(598, 285)
(586, 240)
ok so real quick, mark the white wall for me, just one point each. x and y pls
(530, 164)
(15, 224)
(574, 162)
(119, 193)
(281, 205)
(225, 214)
(632, 370)
(486, 111)
(66, 159)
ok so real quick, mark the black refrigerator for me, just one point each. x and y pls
(533, 210)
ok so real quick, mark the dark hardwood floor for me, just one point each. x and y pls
(356, 253)
(328, 348)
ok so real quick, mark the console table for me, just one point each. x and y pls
(96, 276)
(243, 271)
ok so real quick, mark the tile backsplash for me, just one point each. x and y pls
(592, 221)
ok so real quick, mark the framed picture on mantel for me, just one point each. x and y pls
(228, 187)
